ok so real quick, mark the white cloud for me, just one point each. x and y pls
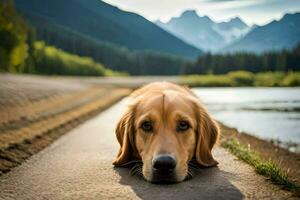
(251, 11)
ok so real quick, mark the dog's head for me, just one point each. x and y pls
(165, 129)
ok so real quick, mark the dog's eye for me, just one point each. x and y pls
(182, 126)
(147, 126)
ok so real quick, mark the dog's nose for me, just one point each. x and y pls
(165, 163)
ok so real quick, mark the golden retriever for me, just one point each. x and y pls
(164, 128)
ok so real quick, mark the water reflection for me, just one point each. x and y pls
(269, 113)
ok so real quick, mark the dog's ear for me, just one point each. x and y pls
(207, 136)
(125, 135)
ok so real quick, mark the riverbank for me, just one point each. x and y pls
(244, 78)
(288, 162)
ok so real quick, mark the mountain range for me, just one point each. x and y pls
(234, 35)
(105, 22)
(276, 35)
(186, 35)
(203, 32)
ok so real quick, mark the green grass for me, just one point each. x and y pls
(268, 169)
(244, 78)
(207, 80)
(53, 61)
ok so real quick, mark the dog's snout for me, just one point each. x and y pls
(164, 163)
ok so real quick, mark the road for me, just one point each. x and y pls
(78, 166)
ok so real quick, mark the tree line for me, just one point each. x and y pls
(285, 60)
(21, 53)
(156, 63)
(50, 60)
(14, 37)
(111, 55)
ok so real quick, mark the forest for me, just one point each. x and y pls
(15, 39)
(284, 61)
(50, 60)
(157, 63)
(21, 53)
(114, 56)
(66, 52)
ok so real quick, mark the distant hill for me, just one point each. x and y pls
(203, 32)
(104, 22)
(276, 35)
(113, 56)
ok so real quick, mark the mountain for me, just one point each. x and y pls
(113, 56)
(105, 22)
(203, 32)
(232, 30)
(276, 35)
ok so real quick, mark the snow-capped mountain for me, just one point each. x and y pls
(203, 32)
(232, 30)
(276, 35)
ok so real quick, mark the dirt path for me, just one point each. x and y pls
(78, 166)
(36, 110)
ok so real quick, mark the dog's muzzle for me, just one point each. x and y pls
(163, 168)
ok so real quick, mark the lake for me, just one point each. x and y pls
(268, 113)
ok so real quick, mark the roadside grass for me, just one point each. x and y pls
(268, 169)
(244, 78)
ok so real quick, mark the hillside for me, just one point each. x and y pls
(21, 52)
(203, 32)
(276, 35)
(104, 22)
(111, 55)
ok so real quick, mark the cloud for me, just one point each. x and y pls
(263, 12)
(251, 11)
(221, 0)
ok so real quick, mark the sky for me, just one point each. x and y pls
(258, 12)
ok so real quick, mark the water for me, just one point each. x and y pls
(268, 113)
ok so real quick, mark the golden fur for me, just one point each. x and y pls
(164, 104)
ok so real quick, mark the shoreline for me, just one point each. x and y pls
(288, 161)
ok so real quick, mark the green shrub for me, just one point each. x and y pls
(244, 78)
(13, 38)
(268, 79)
(292, 79)
(208, 80)
(241, 78)
(52, 61)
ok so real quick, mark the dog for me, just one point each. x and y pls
(164, 129)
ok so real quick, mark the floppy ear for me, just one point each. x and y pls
(207, 135)
(125, 135)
